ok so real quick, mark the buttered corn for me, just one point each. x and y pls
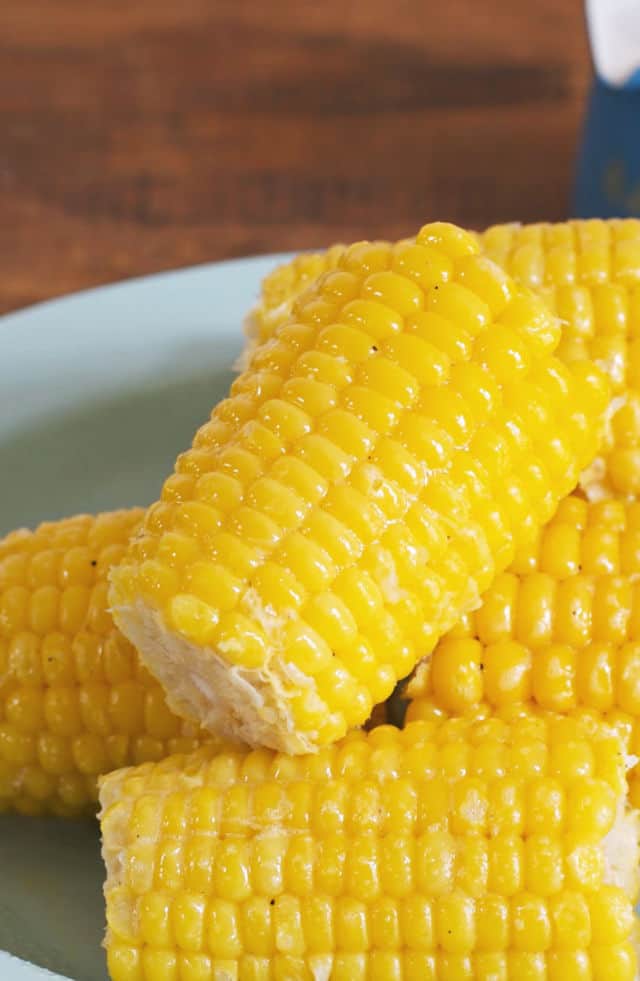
(380, 460)
(75, 701)
(588, 273)
(451, 850)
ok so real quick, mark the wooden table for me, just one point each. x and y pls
(139, 135)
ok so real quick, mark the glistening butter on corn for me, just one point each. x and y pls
(75, 701)
(588, 273)
(466, 850)
(380, 460)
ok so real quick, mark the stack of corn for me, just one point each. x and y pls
(401, 435)
(75, 700)
(559, 628)
(382, 458)
(455, 848)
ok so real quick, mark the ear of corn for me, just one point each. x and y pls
(380, 460)
(446, 850)
(75, 701)
(588, 273)
(560, 628)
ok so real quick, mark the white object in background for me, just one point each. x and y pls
(614, 32)
(12, 969)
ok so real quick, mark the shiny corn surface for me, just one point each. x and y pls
(588, 272)
(445, 850)
(380, 460)
(281, 288)
(560, 628)
(74, 700)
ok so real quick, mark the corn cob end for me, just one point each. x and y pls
(245, 704)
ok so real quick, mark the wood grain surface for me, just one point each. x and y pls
(140, 135)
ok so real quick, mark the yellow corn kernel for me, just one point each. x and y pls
(284, 284)
(75, 701)
(384, 856)
(387, 420)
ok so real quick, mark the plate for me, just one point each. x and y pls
(98, 393)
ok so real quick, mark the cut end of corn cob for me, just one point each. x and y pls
(381, 459)
(458, 848)
(240, 702)
(75, 701)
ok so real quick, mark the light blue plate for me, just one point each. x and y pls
(98, 393)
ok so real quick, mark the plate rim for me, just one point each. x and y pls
(146, 279)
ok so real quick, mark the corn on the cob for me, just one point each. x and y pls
(448, 850)
(381, 458)
(74, 700)
(560, 628)
(588, 272)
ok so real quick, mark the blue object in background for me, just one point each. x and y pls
(608, 166)
(608, 173)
